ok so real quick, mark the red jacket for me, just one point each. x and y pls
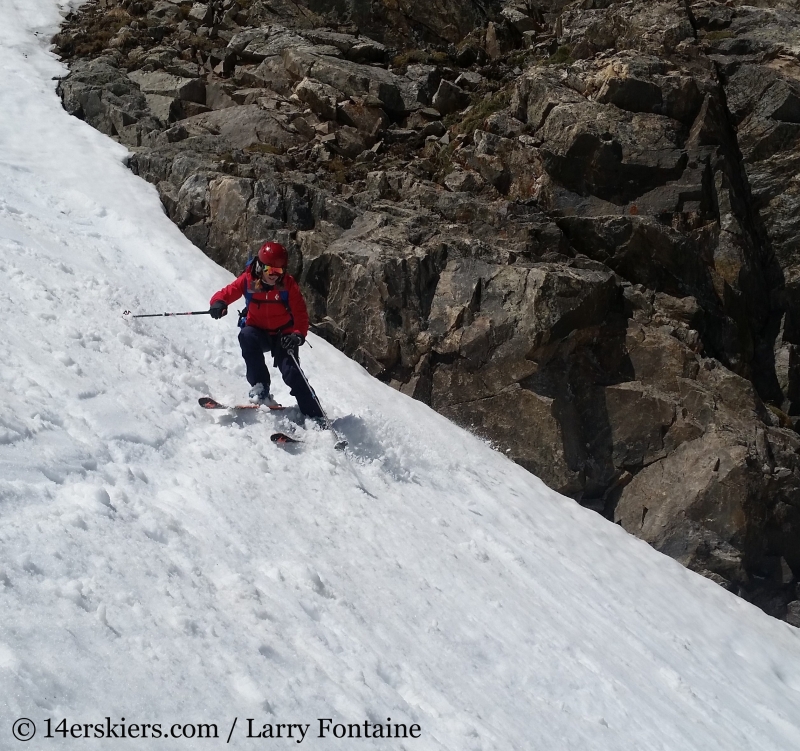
(279, 309)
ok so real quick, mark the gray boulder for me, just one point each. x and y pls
(98, 92)
(371, 121)
(319, 97)
(164, 84)
(360, 49)
(256, 45)
(351, 78)
(450, 98)
(245, 126)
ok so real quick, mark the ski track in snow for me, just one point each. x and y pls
(167, 564)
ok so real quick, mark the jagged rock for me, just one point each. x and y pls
(434, 20)
(435, 129)
(218, 94)
(349, 142)
(243, 126)
(658, 26)
(464, 181)
(781, 101)
(370, 121)
(350, 78)
(488, 159)
(163, 108)
(228, 199)
(102, 95)
(358, 49)
(256, 45)
(469, 80)
(500, 39)
(644, 84)
(536, 93)
(422, 82)
(762, 93)
(492, 329)
(192, 200)
(519, 20)
(721, 501)
(640, 418)
(614, 155)
(321, 98)
(450, 98)
(166, 85)
(270, 73)
(202, 13)
(166, 11)
(503, 124)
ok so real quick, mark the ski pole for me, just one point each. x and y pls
(127, 314)
(341, 443)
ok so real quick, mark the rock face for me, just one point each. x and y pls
(570, 227)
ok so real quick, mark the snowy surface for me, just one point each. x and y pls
(166, 564)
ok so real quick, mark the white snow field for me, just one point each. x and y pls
(165, 564)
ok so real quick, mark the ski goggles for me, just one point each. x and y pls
(269, 270)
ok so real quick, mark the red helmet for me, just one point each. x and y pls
(273, 254)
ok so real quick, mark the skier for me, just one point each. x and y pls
(275, 318)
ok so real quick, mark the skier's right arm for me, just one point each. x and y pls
(220, 301)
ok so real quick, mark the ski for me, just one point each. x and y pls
(282, 439)
(208, 403)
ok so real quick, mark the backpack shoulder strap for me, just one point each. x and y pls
(248, 291)
(248, 295)
(284, 295)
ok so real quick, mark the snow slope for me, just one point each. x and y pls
(166, 564)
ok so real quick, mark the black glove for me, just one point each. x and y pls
(218, 309)
(290, 342)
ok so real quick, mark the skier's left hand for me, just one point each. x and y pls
(290, 342)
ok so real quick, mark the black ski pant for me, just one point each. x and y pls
(255, 342)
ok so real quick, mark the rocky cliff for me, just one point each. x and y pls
(573, 228)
